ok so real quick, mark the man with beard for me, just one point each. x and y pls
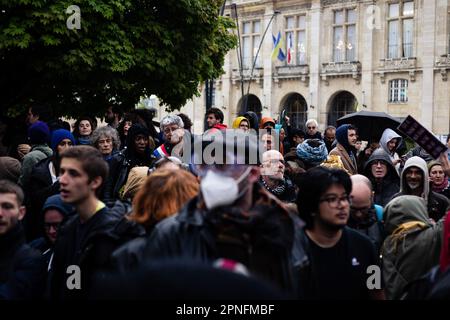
(113, 116)
(273, 179)
(338, 256)
(415, 181)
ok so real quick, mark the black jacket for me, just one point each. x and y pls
(38, 190)
(23, 272)
(267, 244)
(88, 246)
(389, 185)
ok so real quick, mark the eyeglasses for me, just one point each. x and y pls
(364, 210)
(168, 130)
(311, 127)
(54, 225)
(333, 201)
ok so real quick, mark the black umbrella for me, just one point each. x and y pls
(370, 124)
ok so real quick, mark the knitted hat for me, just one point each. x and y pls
(9, 169)
(39, 133)
(58, 136)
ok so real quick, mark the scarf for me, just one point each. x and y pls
(441, 187)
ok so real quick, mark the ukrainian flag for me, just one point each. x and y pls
(278, 45)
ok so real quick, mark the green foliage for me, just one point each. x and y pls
(125, 49)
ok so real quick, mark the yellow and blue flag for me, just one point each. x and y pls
(278, 45)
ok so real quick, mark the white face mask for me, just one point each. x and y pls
(220, 190)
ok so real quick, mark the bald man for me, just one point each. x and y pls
(273, 179)
(363, 212)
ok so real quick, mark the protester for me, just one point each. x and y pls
(137, 154)
(241, 123)
(39, 136)
(365, 216)
(338, 256)
(54, 212)
(44, 182)
(172, 128)
(22, 269)
(383, 176)
(10, 169)
(273, 179)
(128, 120)
(414, 181)
(87, 238)
(83, 128)
(438, 179)
(312, 152)
(412, 245)
(233, 217)
(267, 123)
(106, 140)
(329, 137)
(312, 130)
(187, 122)
(136, 179)
(214, 118)
(346, 139)
(113, 116)
(390, 141)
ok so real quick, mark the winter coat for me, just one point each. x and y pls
(388, 135)
(412, 246)
(386, 188)
(267, 244)
(23, 271)
(317, 135)
(436, 203)
(349, 165)
(36, 154)
(39, 188)
(102, 234)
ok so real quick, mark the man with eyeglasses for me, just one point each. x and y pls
(312, 128)
(173, 132)
(383, 176)
(273, 179)
(54, 211)
(365, 216)
(338, 256)
(233, 217)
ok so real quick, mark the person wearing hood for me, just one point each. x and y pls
(390, 141)
(38, 135)
(312, 152)
(345, 148)
(252, 119)
(412, 245)
(54, 212)
(44, 182)
(383, 176)
(267, 123)
(415, 181)
(137, 154)
(438, 179)
(241, 123)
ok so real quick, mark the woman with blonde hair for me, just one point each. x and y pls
(164, 193)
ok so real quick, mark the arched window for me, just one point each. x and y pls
(343, 104)
(296, 110)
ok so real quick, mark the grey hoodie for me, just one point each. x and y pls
(422, 165)
(387, 136)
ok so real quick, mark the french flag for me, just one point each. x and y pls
(289, 48)
(161, 152)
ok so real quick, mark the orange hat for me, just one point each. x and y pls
(265, 120)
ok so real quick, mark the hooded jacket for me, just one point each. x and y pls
(345, 150)
(412, 245)
(437, 204)
(37, 153)
(389, 185)
(387, 136)
(237, 122)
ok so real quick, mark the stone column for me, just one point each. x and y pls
(428, 26)
(314, 64)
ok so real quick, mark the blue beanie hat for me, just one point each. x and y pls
(59, 135)
(38, 133)
(55, 202)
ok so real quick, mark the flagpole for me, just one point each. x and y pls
(239, 51)
(256, 57)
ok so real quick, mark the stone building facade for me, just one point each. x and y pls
(344, 55)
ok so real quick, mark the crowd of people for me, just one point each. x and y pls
(123, 211)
